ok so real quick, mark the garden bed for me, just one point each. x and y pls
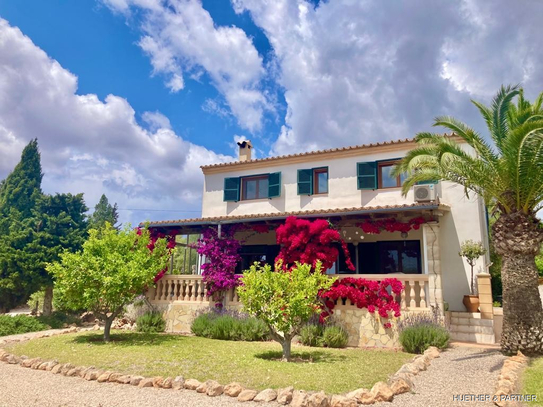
(253, 364)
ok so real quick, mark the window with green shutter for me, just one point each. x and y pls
(366, 174)
(305, 182)
(274, 185)
(231, 189)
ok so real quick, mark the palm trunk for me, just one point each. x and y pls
(48, 300)
(517, 238)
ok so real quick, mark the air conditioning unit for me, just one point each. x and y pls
(425, 192)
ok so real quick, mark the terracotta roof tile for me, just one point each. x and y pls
(317, 212)
(317, 152)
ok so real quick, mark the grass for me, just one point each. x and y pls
(254, 364)
(533, 381)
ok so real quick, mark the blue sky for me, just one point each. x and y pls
(130, 97)
(86, 38)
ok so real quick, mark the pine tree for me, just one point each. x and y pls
(103, 212)
(63, 225)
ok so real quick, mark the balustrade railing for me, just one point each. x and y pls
(190, 288)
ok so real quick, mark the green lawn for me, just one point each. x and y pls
(253, 364)
(533, 381)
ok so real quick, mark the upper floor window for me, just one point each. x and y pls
(313, 181)
(386, 179)
(252, 187)
(378, 174)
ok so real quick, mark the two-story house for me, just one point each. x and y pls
(349, 186)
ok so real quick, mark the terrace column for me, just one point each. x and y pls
(432, 263)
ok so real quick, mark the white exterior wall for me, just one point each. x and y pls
(342, 188)
(466, 220)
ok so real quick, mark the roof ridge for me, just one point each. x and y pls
(315, 152)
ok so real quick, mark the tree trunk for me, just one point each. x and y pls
(107, 327)
(108, 321)
(286, 349)
(48, 300)
(517, 238)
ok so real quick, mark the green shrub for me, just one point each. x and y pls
(253, 329)
(539, 263)
(151, 322)
(311, 335)
(20, 324)
(230, 326)
(59, 319)
(416, 339)
(335, 337)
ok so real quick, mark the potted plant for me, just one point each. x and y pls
(471, 251)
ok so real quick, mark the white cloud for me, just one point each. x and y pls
(92, 146)
(361, 71)
(180, 36)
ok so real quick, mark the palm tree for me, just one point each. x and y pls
(507, 173)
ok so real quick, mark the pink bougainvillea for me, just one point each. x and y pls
(154, 235)
(390, 225)
(308, 242)
(373, 295)
(222, 258)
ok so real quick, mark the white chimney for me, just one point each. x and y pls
(245, 150)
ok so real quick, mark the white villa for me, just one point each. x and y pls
(348, 186)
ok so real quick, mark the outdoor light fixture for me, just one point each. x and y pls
(404, 235)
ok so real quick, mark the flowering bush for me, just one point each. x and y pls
(222, 258)
(309, 242)
(373, 295)
(154, 235)
(390, 225)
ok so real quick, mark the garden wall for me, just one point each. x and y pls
(364, 328)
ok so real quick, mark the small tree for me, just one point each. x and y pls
(284, 300)
(471, 251)
(113, 268)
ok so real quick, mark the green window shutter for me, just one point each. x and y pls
(305, 182)
(231, 189)
(274, 185)
(366, 174)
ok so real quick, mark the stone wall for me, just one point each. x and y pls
(365, 329)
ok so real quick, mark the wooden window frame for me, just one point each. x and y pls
(256, 178)
(317, 171)
(398, 243)
(382, 164)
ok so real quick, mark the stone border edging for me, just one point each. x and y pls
(509, 378)
(400, 382)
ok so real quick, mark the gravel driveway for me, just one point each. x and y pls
(20, 387)
(458, 371)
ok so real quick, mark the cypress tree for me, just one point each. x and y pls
(20, 194)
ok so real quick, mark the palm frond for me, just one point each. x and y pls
(500, 107)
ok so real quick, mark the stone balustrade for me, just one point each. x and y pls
(190, 288)
(414, 295)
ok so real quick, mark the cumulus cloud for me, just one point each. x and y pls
(89, 145)
(180, 36)
(362, 71)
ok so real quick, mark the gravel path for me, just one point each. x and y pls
(458, 371)
(21, 387)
